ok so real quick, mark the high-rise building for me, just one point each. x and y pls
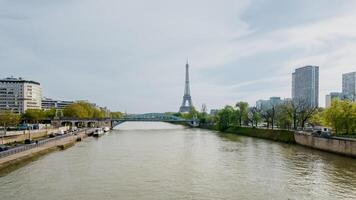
(187, 99)
(305, 85)
(349, 85)
(18, 95)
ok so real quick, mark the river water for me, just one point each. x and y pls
(158, 161)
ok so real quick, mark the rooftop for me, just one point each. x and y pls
(17, 80)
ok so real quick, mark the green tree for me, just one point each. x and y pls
(211, 119)
(8, 118)
(333, 116)
(341, 116)
(116, 115)
(193, 113)
(83, 110)
(256, 118)
(283, 117)
(33, 115)
(291, 109)
(50, 114)
(190, 115)
(306, 112)
(272, 115)
(348, 116)
(76, 111)
(299, 111)
(242, 113)
(98, 113)
(317, 118)
(268, 115)
(89, 109)
(225, 118)
(203, 115)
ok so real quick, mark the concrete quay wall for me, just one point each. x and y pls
(15, 161)
(342, 146)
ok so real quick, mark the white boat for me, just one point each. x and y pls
(106, 129)
(98, 132)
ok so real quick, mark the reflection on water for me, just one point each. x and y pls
(164, 161)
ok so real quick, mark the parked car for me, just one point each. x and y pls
(3, 147)
(35, 126)
(22, 127)
(28, 141)
(322, 133)
(325, 134)
(60, 132)
(52, 135)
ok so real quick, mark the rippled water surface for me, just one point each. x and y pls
(157, 161)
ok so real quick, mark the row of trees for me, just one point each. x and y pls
(289, 115)
(116, 115)
(8, 118)
(83, 110)
(341, 116)
(203, 117)
(76, 110)
(36, 115)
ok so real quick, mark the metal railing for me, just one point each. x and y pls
(26, 147)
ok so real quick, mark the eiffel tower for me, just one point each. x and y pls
(187, 99)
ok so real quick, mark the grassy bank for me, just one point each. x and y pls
(275, 135)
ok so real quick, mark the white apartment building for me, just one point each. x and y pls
(18, 95)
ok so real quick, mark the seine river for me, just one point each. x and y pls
(158, 161)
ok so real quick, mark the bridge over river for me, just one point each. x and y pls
(148, 117)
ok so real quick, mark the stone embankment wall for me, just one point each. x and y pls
(341, 146)
(275, 135)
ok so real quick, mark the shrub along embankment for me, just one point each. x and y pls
(269, 134)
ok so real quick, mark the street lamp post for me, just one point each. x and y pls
(3, 135)
(29, 132)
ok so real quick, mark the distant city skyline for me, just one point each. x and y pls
(130, 55)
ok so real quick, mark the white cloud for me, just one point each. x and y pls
(135, 50)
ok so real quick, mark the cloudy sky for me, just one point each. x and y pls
(130, 54)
